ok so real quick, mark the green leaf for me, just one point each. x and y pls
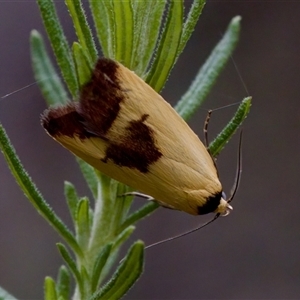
(4, 295)
(118, 241)
(123, 236)
(124, 201)
(168, 47)
(83, 65)
(72, 266)
(49, 289)
(103, 226)
(139, 214)
(99, 265)
(63, 283)
(59, 44)
(89, 176)
(125, 276)
(83, 223)
(44, 72)
(104, 19)
(209, 72)
(32, 193)
(123, 31)
(190, 23)
(82, 29)
(147, 21)
(72, 198)
(120, 205)
(224, 136)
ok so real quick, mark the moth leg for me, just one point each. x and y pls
(206, 142)
(147, 197)
(205, 129)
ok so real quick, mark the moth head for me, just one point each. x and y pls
(224, 207)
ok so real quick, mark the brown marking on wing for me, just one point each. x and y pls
(100, 98)
(137, 148)
(98, 106)
(64, 120)
(94, 114)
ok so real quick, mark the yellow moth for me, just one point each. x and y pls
(126, 130)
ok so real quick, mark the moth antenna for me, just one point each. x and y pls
(240, 75)
(225, 106)
(18, 90)
(24, 87)
(238, 170)
(185, 233)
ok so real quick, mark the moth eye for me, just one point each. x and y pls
(223, 195)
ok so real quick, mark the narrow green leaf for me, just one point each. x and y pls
(120, 205)
(139, 214)
(71, 197)
(147, 21)
(126, 201)
(104, 19)
(72, 266)
(124, 31)
(4, 295)
(59, 44)
(32, 193)
(83, 223)
(99, 265)
(82, 63)
(49, 289)
(125, 276)
(82, 29)
(190, 23)
(89, 176)
(224, 136)
(63, 283)
(123, 236)
(119, 240)
(104, 210)
(44, 72)
(209, 72)
(167, 48)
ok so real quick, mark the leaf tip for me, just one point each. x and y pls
(236, 20)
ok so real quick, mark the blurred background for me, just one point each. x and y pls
(254, 253)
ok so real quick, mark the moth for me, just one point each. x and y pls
(126, 130)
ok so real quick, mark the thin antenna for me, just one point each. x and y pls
(238, 71)
(238, 170)
(18, 90)
(240, 75)
(185, 233)
(23, 88)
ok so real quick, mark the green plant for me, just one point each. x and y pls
(155, 34)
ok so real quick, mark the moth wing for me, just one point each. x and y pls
(125, 129)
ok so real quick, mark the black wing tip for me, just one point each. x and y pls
(211, 204)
